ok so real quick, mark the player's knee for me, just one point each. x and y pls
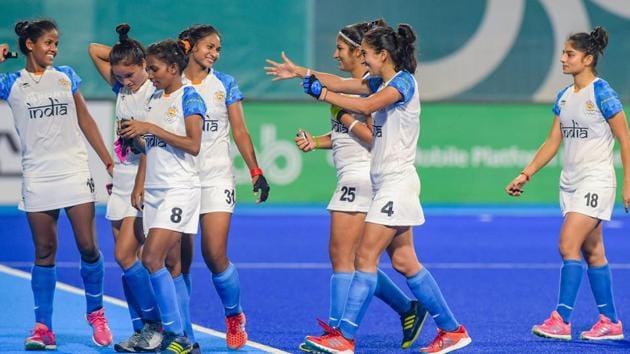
(568, 250)
(341, 261)
(45, 252)
(365, 259)
(125, 258)
(216, 262)
(152, 262)
(595, 256)
(404, 265)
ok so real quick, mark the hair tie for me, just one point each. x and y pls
(186, 44)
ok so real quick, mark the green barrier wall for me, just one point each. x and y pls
(467, 152)
(469, 50)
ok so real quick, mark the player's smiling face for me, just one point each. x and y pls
(346, 56)
(207, 50)
(371, 59)
(160, 72)
(574, 61)
(44, 49)
(130, 75)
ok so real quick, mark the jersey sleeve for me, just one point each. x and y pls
(405, 84)
(374, 83)
(556, 105)
(232, 92)
(117, 87)
(6, 83)
(607, 99)
(75, 80)
(192, 103)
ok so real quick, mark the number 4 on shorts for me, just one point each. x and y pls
(388, 208)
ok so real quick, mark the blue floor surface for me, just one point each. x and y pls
(498, 270)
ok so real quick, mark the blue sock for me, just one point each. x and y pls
(188, 281)
(428, 293)
(229, 289)
(183, 299)
(601, 285)
(339, 286)
(93, 274)
(391, 294)
(166, 297)
(137, 277)
(359, 297)
(570, 278)
(132, 305)
(43, 281)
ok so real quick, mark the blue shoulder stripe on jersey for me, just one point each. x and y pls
(75, 80)
(556, 105)
(6, 83)
(374, 83)
(607, 99)
(117, 87)
(233, 93)
(404, 83)
(192, 103)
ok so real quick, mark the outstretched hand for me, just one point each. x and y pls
(282, 71)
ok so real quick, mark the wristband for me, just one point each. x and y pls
(527, 177)
(355, 122)
(316, 142)
(255, 172)
(322, 96)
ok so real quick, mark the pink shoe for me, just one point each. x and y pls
(41, 338)
(332, 341)
(102, 335)
(236, 336)
(553, 327)
(604, 329)
(446, 342)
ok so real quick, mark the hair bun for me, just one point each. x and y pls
(122, 30)
(20, 27)
(405, 32)
(599, 39)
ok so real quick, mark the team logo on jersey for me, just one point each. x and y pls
(589, 105)
(26, 85)
(65, 83)
(151, 141)
(171, 114)
(338, 127)
(574, 131)
(219, 96)
(53, 109)
(562, 103)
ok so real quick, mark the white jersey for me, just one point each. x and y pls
(168, 166)
(219, 91)
(588, 139)
(351, 155)
(396, 130)
(130, 105)
(46, 121)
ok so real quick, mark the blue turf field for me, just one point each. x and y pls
(498, 269)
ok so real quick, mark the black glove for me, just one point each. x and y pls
(262, 186)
